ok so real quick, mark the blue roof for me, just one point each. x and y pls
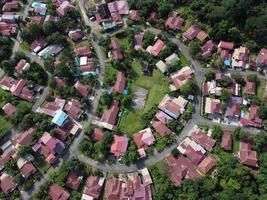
(125, 91)
(227, 62)
(60, 118)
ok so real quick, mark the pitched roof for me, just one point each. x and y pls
(61, 10)
(207, 49)
(120, 83)
(23, 138)
(114, 189)
(6, 183)
(97, 134)
(248, 156)
(57, 192)
(119, 6)
(119, 145)
(195, 156)
(250, 88)
(27, 170)
(161, 128)
(174, 23)
(212, 106)
(73, 181)
(203, 139)
(157, 47)
(135, 15)
(181, 77)
(21, 65)
(226, 45)
(144, 138)
(110, 116)
(73, 109)
(227, 141)
(9, 109)
(83, 51)
(93, 188)
(207, 164)
(262, 57)
(82, 89)
(192, 32)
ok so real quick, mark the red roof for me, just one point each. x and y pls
(119, 145)
(157, 47)
(7, 183)
(58, 193)
(27, 170)
(116, 17)
(92, 187)
(76, 35)
(7, 82)
(9, 109)
(248, 156)
(203, 139)
(97, 134)
(227, 142)
(23, 138)
(73, 181)
(73, 109)
(161, 128)
(226, 45)
(83, 51)
(21, 65)
(17, 88)
(135, 15)
(207, 164)
(207, 49)
(82, 89)
(6, 156)
(202, 35)
(152, 17)
(61, 134)
(262, 57)
(195, 156)
(174, 22)
(120, 83)
(114, 189)
(192, 32)
(110, 116)
(10, 6)
(61, 10)
(250, 88)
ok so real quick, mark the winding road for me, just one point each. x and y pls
(117, 167)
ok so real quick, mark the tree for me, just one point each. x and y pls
(210, 75)
(263, 112)
(225, 95)
(36, 74)
(49, 28)
(25, 150)
(148, 39)
(127, 101)
(189, 88)
(239, 78)
(194, 47)
(106, 99)
(225, 81)
(217, 132)
(234, 34)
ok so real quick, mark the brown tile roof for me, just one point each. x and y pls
(203, 139)
(114, 189)
(27, 170)
(73, 181)
(120, 83)
(161, 128)
(192, 32)
(9, 109)
(110, 116)
(92, 187)
(250, 88)
(135, 15)
(226, 45)
(262, 57)
(97, 134)
(58, 193)
(82, 89)
(248, 156)
(227, 141)
(174, 22)
(83, 51)
(207, 164)
(7, 183)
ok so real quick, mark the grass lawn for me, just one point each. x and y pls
(261, 88)
(24, 45)
(184, 61)
(42, 165)
(4, 97)
(5, 124)
(157, 87)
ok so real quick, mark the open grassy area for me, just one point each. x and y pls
(157, 87)
(5, 124)
(261, 88)
(42, 165)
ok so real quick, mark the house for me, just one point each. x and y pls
(25, 166)
(240, 58)
(52, 107)
(60, 82)
(76, 35)
(174, 22)
(250, 88)
(83, 51)
(6, 156)
(152, 17)
(252, 119)
(138, 38)
(23, 138)
(8, 28)
(119, 145)
(163, 117)
(73, 180)
(36, 20)
(207, 49)
(120, 83)
(172, 59)
(116, 18)
(161, 128)
(223, 45)
(207, 164)
(212, 106)
(116, 52)
(180, 168)
(161, 66)
(156, 48)
(82, 89)
(119, 6)
(50, 50)
(93, 187)
(38, 44)
(172, 106)
(10, 6)
(262, 58)
(50, 18)
(191, 33)
(180, 78)
(135, 15)
(144, 138)
(110, 116)
(97, 134)
(202, 36)
(227, 141)
(7, 82)
(203, 139)
(20, 89)
(21, 65)
(102, 13)
(57, 192)
(7, 183)
(233, 110)
(73, 108)
(49, 147)
(9, 109)
(114, 189)
(62, 133)
(63, 7)
(247, 156)
(39, 8)
(60, 118)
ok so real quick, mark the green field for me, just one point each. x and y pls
(157, 87)
(261, 88)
